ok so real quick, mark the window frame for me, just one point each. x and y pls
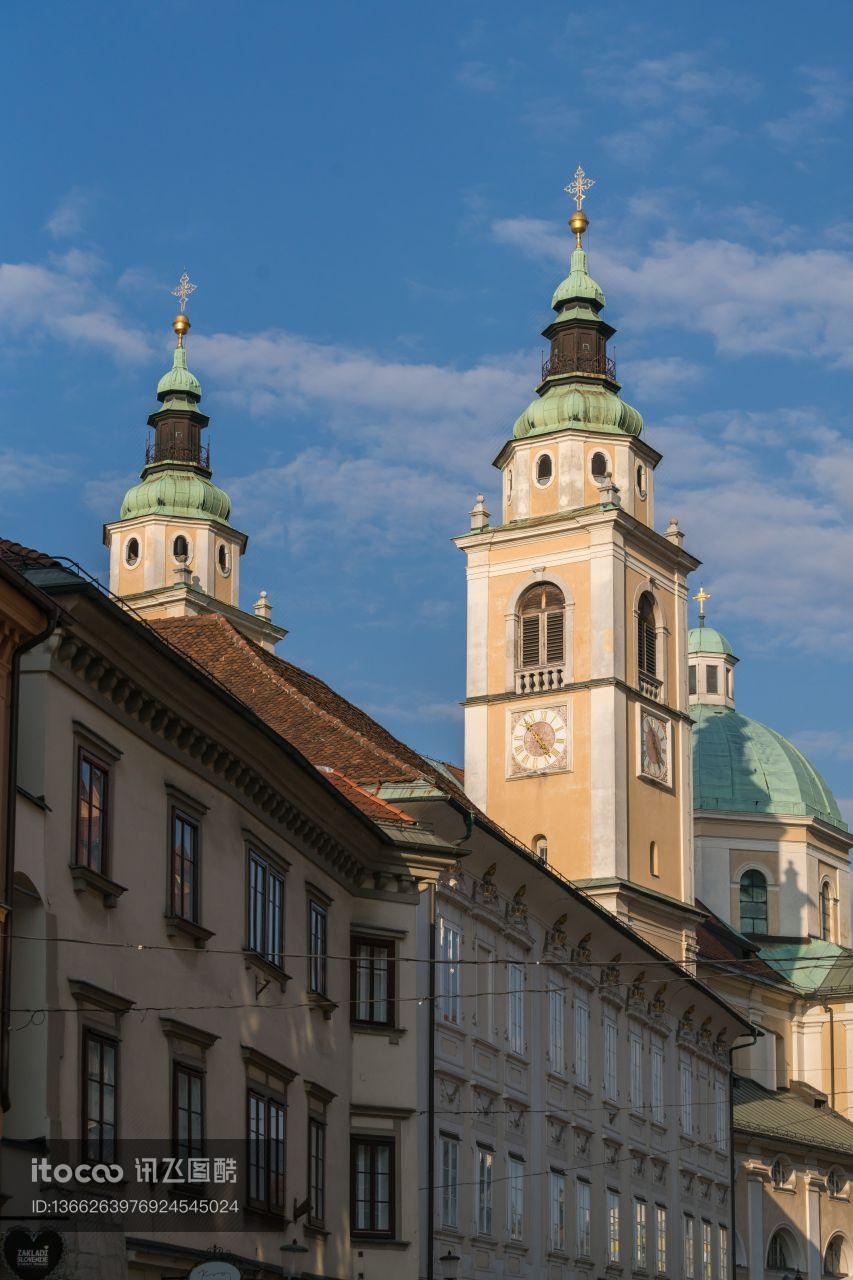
(85, 754)
(613, 1203)
(557, 1206)
(544, 656)
(177, 813)
(373, 1144)
(583, 1217)
(581, 1041)
(449, 1187)
(641, 1234)
(316, 1160)
(273, 873)
(636, 1090)
(658, 1081)
(192, 1148)
(388, 946)
(686, 1093)
(610, 1082)
(648, 649)
(825, 908)
(688, 1246)
(449, 1000)
(515, 1011)
(661, 1240)
(745, 923)
(268, 1099)
(105, 1149)
(318, 945)
(515, 1206)
(485, 1191)
(556, 1027)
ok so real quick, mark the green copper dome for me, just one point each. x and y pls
(578, 284)
(179, 381)
(707, 640)
(741, 766)
(580, 406)
(181, 493)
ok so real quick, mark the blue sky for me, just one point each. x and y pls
(370, 197)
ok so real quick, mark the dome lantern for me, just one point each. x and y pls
(712, 662)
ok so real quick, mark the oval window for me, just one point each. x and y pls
(131, 552)
(509, 485)
(223, 558)
(544, 469)
(599, 466)
(181, 548)
(641, 480)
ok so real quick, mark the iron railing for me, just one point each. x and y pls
(198, 455)
(560, 363)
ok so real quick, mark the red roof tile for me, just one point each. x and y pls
(376, 808)
(21, 557)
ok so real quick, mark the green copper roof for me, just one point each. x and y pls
(707, 640)
(179, 379)
(813, 965)
(179, 492)
(741, 766)
(578, 406)
(785, 1117)
(578, 283)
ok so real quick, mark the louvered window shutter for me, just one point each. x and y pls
(648, 650)
(554, 637)
(530, 640)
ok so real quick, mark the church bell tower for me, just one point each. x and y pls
(173, 551)
(577, 734)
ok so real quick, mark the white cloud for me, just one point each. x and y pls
(834, 744)
(827, 96)
(480, 77)
(69, 215)
(21, 472)
(658, 379)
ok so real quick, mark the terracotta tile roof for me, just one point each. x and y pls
(21, 557)
(327, 729)
(376, 808)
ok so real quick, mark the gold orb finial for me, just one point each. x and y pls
(181, 322)
(577, 189)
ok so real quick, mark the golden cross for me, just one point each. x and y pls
(579, 186)
(183, 291)
(701, 596)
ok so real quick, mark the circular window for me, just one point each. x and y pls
(131, 553)
(780, 1171)
(599, 466)
(836, 1181)
(641, 480)
(181, 549)
(224, 559)
(544, 469)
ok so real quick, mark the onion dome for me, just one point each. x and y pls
(741, 766)
(178, 381)
(184, 493)
(708, 640)
(578, 284)
(578, 407)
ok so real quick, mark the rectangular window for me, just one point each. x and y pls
(688, 1248)
(582, 1042)
(691, 678)
(556, 1028)
(485, 1162)
(515, 1198)
(372, 981)
(266, 910)
(640, 1241)
(372, 1187)
(449, 984)
(583, 1224)
(610, 1058)
(515, 1006)
(185, 842)
(100, 1097)
(266, 1153)
(707, 1253)
(685, 1077)
(92, 791)
(318, 924)
(657, 1082)
(721, 1113)
(712, 679)
(635, 1044)
(660, 1240)
(557, 1214)
(187, 1111)
(316, 1171)
(724, 1253)
(485, 969)
(449, 1155)
(612, 1226)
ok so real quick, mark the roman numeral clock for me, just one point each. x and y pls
(538, 740)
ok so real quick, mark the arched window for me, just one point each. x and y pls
(753, 902)
(544, 469)
(599, 466)
(540, 847)
(835, 1258)
(780, 1253)
(647, 637)
(541, 639)
(836, 1181)
(826, 911)
(181, 548)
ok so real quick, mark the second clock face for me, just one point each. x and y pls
(654, 748)
(539, 740)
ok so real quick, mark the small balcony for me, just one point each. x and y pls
(538, 679)
(650, 686)
(560, 364)
(196, 455)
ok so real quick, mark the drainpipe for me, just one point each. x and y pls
(828, 1009)
(755, 1033)
(430, 1269)
(9, 882)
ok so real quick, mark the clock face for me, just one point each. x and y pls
(539, 740)
(654, 747)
